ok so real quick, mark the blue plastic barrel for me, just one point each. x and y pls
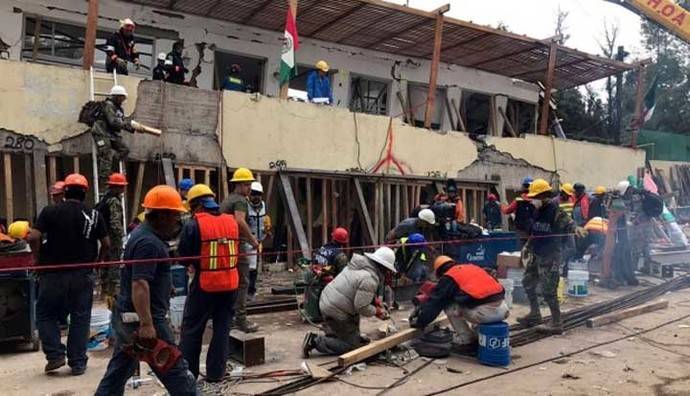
(494, 344)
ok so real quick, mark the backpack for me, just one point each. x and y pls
(652, 204)
(90, 112)
(524, 215)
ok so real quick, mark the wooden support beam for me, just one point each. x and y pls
(396, 219)
(324, 211)
(310, 212)
(207, 176)
(433, 75)
(40, 183)
(378, 346)
(507, 122)
(548, 87)
(464, 204)
(180, 173)
(168, 172)
(75, 164)
(28, 182)
(90, 36)
(138, 183)
(223, 180)
(269, 188)
(38, 22)
(377, 213)
(284, 88)
(475, 206)
(295, 218)
(9, 192)
(52, 170)
(639, 98)
(364, 212)
(626, 313)
(290, 243)
(334, 203)
(405, 200)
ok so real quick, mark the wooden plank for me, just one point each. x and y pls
(90, 36)
(511, 129)
(28, 182)
(138, 183)
(464, 201)
(207, 176)
(290, 243)
(475, 206)
(269, 188)
(378, 346)
(377, 213)
(223, 180)
(310, 212)
(40, 183)
(295, 218)
(548, 87)
(334, 203)
(389, 211)
(433, 75)
(405, 200)
(396, 219)
(75, 164)
(324, 211)
(168, 172)
(9, 202)
(52, 170)
(180, 173)
(456, 110)
(382, 212)
(364, 212)
(626, 313)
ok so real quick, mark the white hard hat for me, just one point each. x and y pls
(622, 186)
(427, 215)
(126, 22)
(384, 256)
(162, 56)
(256, 186)
(118, 90)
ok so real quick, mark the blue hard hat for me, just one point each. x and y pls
(185, 184)
(527, 180)
(210, 203)
(416, 238)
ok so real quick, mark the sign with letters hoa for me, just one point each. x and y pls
(667, 13)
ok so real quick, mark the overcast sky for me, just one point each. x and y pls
(536, 18)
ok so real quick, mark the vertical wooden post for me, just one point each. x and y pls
(377, 213)
(224, 182)
(548, 87)
(38, 22)
(324, 211)
(9, 193)
(310, 213)
(137, 188)
(284, 88)
(90, 36)
(334, 203)
(435, 60)
(397, 205)
(28, 182)
(464, 204)
(75, 164)
(207, 176)
(40, 183)
(638, 119)
(52, 169)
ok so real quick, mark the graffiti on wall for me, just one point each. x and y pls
(388, 162)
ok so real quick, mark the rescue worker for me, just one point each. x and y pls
(234, 81)
(160, 72)
(176, 68)
(57, 192)
(566, 198)
(213, 289)
(492, 213)
(411, 258)
(183, 188)
(139, 315)
(543, 256)
(119, 49)
(237, 205)
(110, 147)
(580, 205)
(523, 211)
(597, 207)
(467, 293)
(110, 208)
(332, 253)
(260, 223)
(422, 224)
(351, 295)
(319, 84)
(454, 198)
(72, 231)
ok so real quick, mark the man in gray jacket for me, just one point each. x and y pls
(350, 295)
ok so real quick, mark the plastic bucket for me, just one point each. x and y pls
(176, 311)
(508, 287)
(578, 265)
(494, 344)
(577, 283)
(100, 330)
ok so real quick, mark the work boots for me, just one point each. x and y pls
(246, 326)
(555, 326)
(533, 318)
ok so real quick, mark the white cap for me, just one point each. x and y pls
(427, 215)
(256, 186)
(162, 56)
(118, 90)
(622, 186)
(384, 256)
(126, 22)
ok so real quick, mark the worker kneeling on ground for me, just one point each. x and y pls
(142, 331)
(467, 293)
(215, 238)
(350, 295)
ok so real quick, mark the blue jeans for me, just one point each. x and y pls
(69, 291)
(178, 380)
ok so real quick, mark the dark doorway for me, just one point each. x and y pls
(252, 70)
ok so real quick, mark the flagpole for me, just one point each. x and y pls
(284, 87)
(638, 121)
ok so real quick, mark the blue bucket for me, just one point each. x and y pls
(494, 344)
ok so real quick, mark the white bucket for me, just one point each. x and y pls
(508, 287)
(577, 283)
(100, 330)
(518, 294)
(176, 311)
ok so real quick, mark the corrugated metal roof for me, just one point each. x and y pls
(394, 29)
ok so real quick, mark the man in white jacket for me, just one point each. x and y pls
(351, 295)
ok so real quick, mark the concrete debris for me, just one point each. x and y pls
(606, 354)
(570, 376)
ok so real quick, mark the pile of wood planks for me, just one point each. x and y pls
(676, 183)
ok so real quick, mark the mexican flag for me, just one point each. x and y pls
(288, 69)
(649, 103)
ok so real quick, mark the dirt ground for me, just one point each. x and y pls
(655, 363)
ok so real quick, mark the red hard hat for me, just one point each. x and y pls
(117, 179)
(57, 188)
(76, 180)
(340, 235)
(492, 197)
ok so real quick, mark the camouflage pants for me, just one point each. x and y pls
(544, 271)
(110, 276)
(110, 150)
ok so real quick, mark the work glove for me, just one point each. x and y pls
(382, 313)
(580, 232)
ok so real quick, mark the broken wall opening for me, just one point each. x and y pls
(252, 70)
(521, 116)
(369, 95)
(476, 112)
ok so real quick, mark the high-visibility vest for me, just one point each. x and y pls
(219, 249)
(474, 281)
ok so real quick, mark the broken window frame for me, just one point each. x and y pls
(516, 120)
(418, 108)
(464, 111)
(381, 102)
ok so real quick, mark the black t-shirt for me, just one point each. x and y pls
(71, 231)
(144, 244)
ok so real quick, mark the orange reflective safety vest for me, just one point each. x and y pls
(474, 281)
(219, 248)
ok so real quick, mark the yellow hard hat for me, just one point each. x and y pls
(19, 229)
(323, 66)
(568, 189)
(600, 190)
(537, 187)
(242, 175)
(198, 191)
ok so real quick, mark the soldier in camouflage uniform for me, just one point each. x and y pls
(110, 207)
(110, 147)
(543, 256)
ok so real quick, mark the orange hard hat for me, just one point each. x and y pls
(117, 179)
(163, 197)
(57, 188)
(440, 261)
(76, 180)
